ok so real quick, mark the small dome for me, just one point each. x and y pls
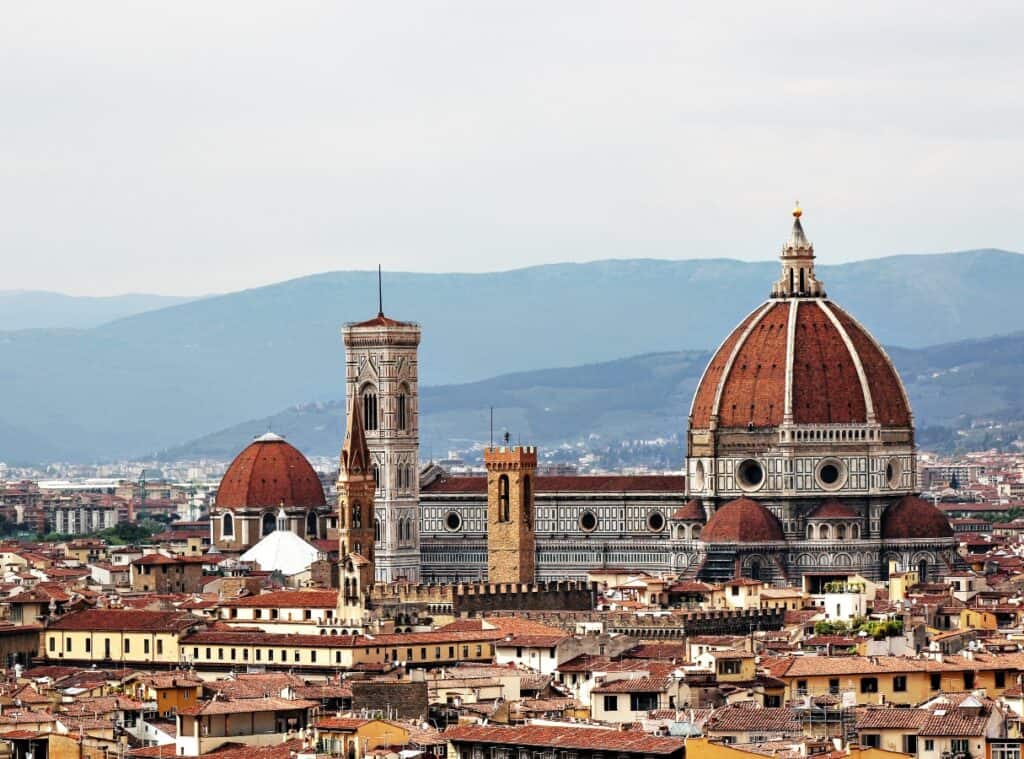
(270, 473)
(742, 521)
(913, 517)
(691, 511)
(833, 509)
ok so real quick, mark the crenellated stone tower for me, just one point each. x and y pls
(356, 488)
(511, 544)
(381, 367)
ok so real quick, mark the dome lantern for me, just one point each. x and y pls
(798, 279)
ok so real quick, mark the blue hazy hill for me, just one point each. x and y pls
(156, 379)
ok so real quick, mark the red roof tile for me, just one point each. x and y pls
(742, 521)
(124, 620)
(578, 738)
(913, 517)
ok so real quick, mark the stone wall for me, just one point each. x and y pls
(402, 699)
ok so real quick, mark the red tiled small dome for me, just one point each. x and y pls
(913, 517)
(833, 509)
(745, 382)
(270, 473)
(742, 521)
(691, 511)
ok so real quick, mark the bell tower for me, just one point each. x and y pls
(355, 513)
(381, 368)
(511, 541)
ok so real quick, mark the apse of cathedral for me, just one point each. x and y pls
(800, 461)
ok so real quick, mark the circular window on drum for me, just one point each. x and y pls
(750, 475)
(453, 521)
(831, 474)
(893, 472)
(655, 521)
(588, 521)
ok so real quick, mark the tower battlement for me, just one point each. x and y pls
(470, 598)
(510, 457)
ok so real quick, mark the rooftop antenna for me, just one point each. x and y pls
(380, 293)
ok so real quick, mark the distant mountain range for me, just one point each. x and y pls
(955, 386)
(153, 380)
(22, 309)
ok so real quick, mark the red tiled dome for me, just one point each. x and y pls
(269, 473)
(913, 517)
(833, 509)
(745, 382)
(742, 521)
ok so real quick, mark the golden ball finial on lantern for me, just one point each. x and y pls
(797, 211)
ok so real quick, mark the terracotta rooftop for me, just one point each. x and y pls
(633, 685)
(833, 509)
(742, 719)
(100, 620)
(691, 511)
(570, 738)
(743, 520)
(912, 517)
(246, 706)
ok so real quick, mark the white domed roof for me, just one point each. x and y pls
(282, 551)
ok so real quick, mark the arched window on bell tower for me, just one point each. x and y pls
(357, 515)
(370, 408)
(504, 508)
(401, 408)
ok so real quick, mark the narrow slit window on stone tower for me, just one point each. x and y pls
(401, 410)
(527, 515)
(504, 510)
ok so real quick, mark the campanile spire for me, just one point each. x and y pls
(798, 279)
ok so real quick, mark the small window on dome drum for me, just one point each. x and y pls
(655, 521)
(750, 474)
(831, 474)
(588, 521)
(452, 521)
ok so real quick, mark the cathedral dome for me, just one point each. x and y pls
(270, 473)
(912, 517)
(800, 359)
(743, 520)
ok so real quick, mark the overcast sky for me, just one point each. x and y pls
(192, 147)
